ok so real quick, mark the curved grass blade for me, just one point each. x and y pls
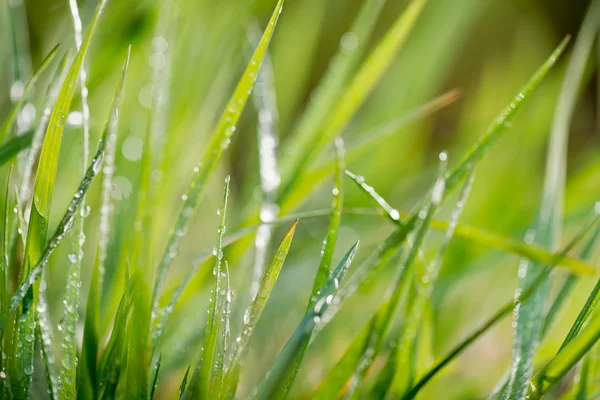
(219, 142)
(389, 211)
(5, 130)
(274, 384)
(203, 384)
(14, 147)
(252, 315)
(363, 352)
(330, 88)
(155, 380)
(361, 86)
(310, 180)
(501, 313)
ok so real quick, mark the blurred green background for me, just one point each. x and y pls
(485, 48)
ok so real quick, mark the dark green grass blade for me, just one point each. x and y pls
(38, 220)
(330, 88)
(206, 384)
(219, 142)
(183, 384)
(254, 312)
(500, 314)
(6, 128)
(273, 384)
(14, 147)
(358, 89)
(155, 379)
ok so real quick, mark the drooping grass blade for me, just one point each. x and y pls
(219, 142)
(14, 146)
(274, 384)
(252, 315)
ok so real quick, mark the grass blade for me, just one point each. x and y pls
(14, 147)
(5, 130)
(155, 380)
(272, 385)
(529, 317)
(252, 315)
(501, 313)
(183, 384)
(219, 142)
(203, 383)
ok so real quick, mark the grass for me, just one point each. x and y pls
(131, 307)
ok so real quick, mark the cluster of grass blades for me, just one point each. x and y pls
(127, 358)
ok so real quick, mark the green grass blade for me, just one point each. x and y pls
(335, 219)
(252, 315)
(331, 87)
(38, 220)
(529, 317)
(219, 142)
(206, 385)
(155, 379)
(501, 313)
(183, 384)
(275, 384)
(44, 330)
(388, 210)
(361, 86)
(14, 147)
(503, 121)
(5, 130)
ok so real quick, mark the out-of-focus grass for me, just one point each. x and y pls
(199, 49)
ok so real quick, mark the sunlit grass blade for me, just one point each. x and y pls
(205, 385)
(369, 141)
(14, 146)
(501, 313)
(401, 381)
(331, 87)
(252, 315)
(389, 211)
(5, 130)
(276, 384)
(219, 142)
(39, 216)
